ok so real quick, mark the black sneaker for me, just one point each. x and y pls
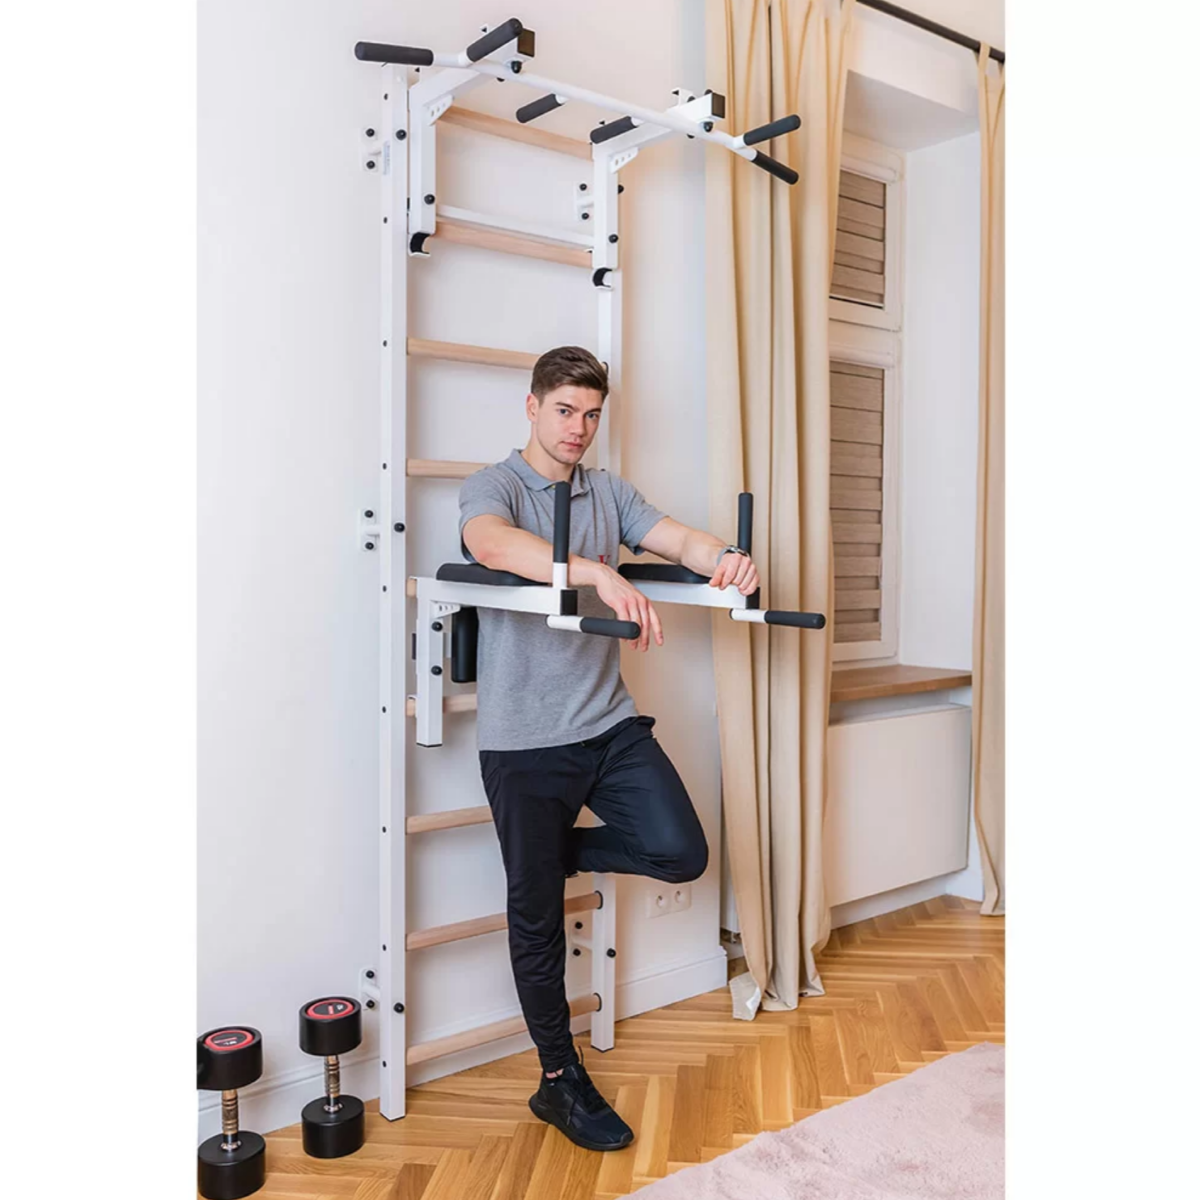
(571, 1103)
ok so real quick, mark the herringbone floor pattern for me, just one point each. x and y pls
(692, 1082)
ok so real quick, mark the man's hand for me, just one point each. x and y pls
(736, 569)
(630, 605)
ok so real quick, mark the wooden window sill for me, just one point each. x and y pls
(872, 683)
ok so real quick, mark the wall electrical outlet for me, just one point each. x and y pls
(666, 898)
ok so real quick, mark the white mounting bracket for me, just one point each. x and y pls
(578, 942)
(428, 100)
(371, 149)
(621, 160)
(369, 528)
(700, 109)
(368, 988)
(430, 670)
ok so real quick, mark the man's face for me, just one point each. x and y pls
(566, 421)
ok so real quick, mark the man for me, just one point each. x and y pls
(557, 728)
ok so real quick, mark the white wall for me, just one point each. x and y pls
(288, 440)
(940, 419)
(893, 52)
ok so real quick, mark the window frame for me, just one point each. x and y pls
(863, 157)
(876, 348)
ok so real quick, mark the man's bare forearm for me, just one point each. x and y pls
(700, 551)
(523, 553)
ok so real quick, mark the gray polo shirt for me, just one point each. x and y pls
(539, 686)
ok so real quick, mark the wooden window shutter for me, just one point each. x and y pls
(856, 498)
(858, 252)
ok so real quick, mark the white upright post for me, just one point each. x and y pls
(607, 284)
(393, 572)
(604, 962)
(606, 280)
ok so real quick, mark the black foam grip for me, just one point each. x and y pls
(602, 133)
(799, 620)
(562, 521)
(464, 645)
(607, 627)
(493, 40)
(745, 521)
(537, 108)
(660, 573)
(381, 52)
(772, 167)
(764, 133)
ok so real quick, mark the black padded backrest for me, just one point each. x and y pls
(660, 573)
(475, 573)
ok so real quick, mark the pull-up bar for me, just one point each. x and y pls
(694, 117)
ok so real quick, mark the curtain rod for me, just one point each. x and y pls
(902, 14)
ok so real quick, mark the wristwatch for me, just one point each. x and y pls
(730, 550)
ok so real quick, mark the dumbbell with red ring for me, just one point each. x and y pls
(335, 1124)
(233, 1163)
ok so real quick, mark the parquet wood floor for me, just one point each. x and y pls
(692, 1082)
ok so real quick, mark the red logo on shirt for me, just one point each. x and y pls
(604, 559)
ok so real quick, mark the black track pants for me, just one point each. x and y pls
(650, 828)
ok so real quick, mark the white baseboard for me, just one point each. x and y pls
(275, 1103)
(886, 902)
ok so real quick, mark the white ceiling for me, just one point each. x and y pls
(900, 119)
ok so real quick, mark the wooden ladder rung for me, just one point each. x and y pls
(439, 1047)
(459, 352)
(454, 818)
(468, 118)
(467, 702)
(463, 233)
(430, 468)
(438, 935)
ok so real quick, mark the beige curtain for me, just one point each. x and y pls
(770, 258)
(987, 679)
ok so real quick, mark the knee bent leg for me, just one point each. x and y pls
(684, 867)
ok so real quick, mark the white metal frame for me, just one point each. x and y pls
(407, 167)
(393, 568)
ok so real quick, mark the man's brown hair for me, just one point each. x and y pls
(568, 365)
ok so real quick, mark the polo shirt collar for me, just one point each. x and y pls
(535, 481)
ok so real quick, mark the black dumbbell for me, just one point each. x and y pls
(334, 1125)
(234, 1162)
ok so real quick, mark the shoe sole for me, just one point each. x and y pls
(548, 1115)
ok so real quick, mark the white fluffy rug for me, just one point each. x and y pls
(937, 1134)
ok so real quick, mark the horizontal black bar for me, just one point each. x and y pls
(538, 108)
(943, 31)
(764, 133)
(799, 620)
(774, 168)
(606, 627)
(494, 39)
(380, 52)
(478, 573)
(660, 573)
(613, 129)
